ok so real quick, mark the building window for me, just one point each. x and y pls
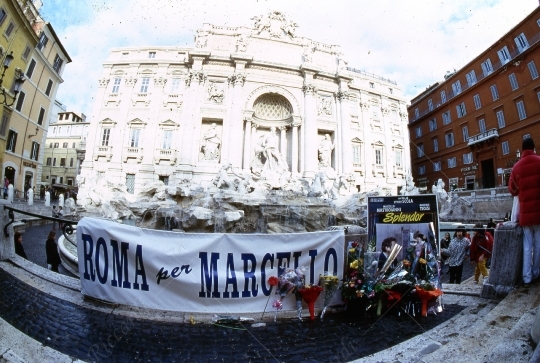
(494, 92)
(477, 102)
(521, 42)
(105, 137)
(504, 55)
(452, 162)
(20, 101)
(54, 162)
(437, 166)
(26, 52)
(521, 110)
(357, 153)
(375, 111)
(416, 113)
(430, 104)
(422, 169)
(151, 54)
(378, 156)
(73, 146)
(465, 132)
(526, 136)
(391, 91)
(532, 70)
(4, 123)
(41, 116)
(9, 29)
(48, 161)
(443, 96)
(420, 150)
(175, 85)
(419, 131)
(500, 118)
(116, 85)
(487, 68)
(371, 85)
(513, 81)
(11, 141)
(34, 153)
(471, 78)
(49, 87)
(467, 158)
(57, 63)
(398, 155)
(433, 124)
(167, 139)
(3, 16)
(144, 84)
(134, 139)
(43, 40)
(64, 145)
(435, 145)
(449, 138)
(130, 183)
(446, 118)
(482, 125)
(505, 148)
(31, 68)
(461, 110)
(456, 88)
(56, 145)
(71, 162)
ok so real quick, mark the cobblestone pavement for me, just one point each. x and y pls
(92, 335)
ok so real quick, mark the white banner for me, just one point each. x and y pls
(197, 272)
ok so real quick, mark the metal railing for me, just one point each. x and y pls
(67, 224)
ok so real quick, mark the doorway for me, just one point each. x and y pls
(9, 172)
(488, 174)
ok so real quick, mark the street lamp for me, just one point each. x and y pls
(19, 80)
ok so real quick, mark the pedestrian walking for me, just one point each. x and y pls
(481, 249)
(456, 254)
(54, 215)
(51, 248)
(19, 248)
(60, 214)
(525, 184)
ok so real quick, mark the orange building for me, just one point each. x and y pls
(467, 130)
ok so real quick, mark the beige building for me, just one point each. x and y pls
(239, 96)
(44, 64)
(64, 150)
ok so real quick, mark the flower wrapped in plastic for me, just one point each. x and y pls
(310, 294)
(329, 284)
(290, 281)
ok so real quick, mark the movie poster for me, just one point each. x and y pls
(405, 218)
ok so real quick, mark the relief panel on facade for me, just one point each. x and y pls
(215, 92)
(324, 106)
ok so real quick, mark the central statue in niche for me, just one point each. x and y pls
(268, 162)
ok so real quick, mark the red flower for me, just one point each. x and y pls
(354, 244)
(273, 281)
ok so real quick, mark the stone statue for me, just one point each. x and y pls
(339, 182)
(210, 144)
(269, 148)
(215, 93)
(325, 152)
(307, 54)
(241, 44)
(438, 190)
(222, 179)
(409, 188)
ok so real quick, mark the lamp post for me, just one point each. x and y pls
(19, 80)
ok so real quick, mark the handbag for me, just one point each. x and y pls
(515, 210)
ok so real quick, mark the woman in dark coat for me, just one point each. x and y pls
(19, 249)
(53, 257)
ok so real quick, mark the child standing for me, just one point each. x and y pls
(456, 252)
(481, 248)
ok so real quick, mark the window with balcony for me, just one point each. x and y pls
(433, 124)
(375, 111)
(500, 118)
(465, 132)
(449, 138)
(494, 92)
(482, 125)
(435, 145)
(116, 85)
(398, 157)
(468, 158)
(521, 110)
(487, 68)
(456, 87)
(144, 84)
(521, 42)
(505, 148)
(175, 85)
(443, 96)
(532, 70)
(134, 138)
(513, 81)
(420, 150)
(477, 102)
(446, 118)
(105, 134)
(504, 55)
(167, 139)
(378, 156)
(430, 104)
(452, 162)
(461, 110)
(471, 78)
(437, 166)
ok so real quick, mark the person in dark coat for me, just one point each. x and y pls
(53, 257)
(19, 248)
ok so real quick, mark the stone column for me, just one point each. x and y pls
(247, 144)
(7, 246)
(310, 132)
(283, 146)
(236, 127)
(294, 159)
(345, 132)
(253, 140)
(506, 262)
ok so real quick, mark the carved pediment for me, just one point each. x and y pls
(137, 122)
(168, 124)
(107, 121)
(357, 140)
(378, 143)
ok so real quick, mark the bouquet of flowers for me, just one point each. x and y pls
(330, 285)
(290, 281)
(310, 294)
(352, 287)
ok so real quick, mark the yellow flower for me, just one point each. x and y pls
(352, 250)
(354, 264)
(422, 261)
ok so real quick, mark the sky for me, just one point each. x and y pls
(413, 42)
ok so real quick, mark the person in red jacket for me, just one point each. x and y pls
(525, 183)
(480, 252)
